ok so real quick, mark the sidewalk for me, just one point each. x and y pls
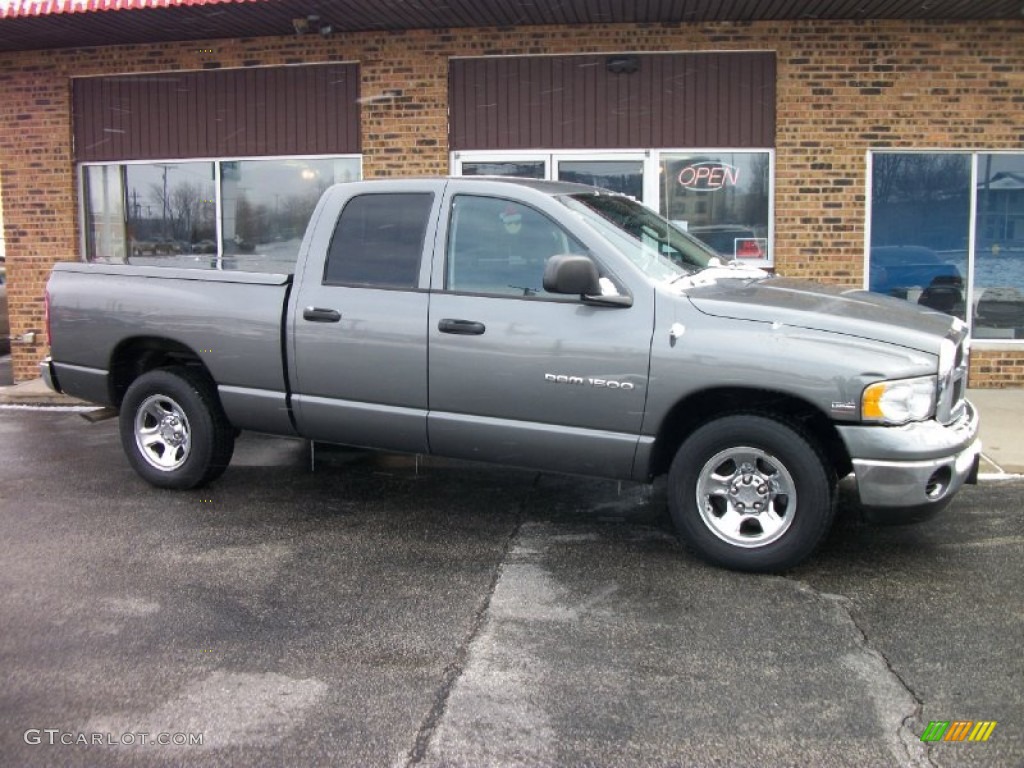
(1002, 420)
(35, 392)
(1002, 428)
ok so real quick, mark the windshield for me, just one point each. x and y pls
(652, 243)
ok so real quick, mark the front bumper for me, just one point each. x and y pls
(910, 473)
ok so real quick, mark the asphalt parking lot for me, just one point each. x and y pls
(384, 612)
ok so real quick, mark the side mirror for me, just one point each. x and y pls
(571, 274)
(578, 275)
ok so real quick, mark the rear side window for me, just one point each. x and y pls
(378, 241)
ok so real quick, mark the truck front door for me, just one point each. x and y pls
(521, 376)
(358, 318)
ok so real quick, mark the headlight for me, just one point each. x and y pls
(897, 402)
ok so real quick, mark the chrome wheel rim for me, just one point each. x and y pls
(746, 497)
(162, 433)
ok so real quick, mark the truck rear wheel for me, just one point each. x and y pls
(173, 430)
(751, 493)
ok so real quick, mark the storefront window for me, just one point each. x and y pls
(921, 247)
(920, 225)
(171, 214)
(105, 236)
(267, 204)
(999, 248)
(166, 214)
(722, 198)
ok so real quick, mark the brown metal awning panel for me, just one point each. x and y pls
(258, 111)
(613, 102)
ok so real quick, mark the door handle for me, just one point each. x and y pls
(461, 327)
(319, 315)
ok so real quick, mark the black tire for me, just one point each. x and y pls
(751, 493)
(173, 429)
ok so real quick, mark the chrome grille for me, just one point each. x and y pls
(953, 386)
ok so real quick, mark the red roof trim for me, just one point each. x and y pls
(15, 9)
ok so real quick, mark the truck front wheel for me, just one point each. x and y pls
(751, 493)
(173, 429)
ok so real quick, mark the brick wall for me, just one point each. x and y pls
(843, 88)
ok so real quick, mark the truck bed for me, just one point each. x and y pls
(231, 320)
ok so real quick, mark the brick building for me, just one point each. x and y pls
(875, 144)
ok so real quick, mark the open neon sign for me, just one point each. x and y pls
(709, 176)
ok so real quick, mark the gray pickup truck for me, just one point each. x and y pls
(535, 324)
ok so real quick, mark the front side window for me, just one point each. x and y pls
(378, 241)
(498, 246)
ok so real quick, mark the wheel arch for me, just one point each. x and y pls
(141, 354)
(692, 412)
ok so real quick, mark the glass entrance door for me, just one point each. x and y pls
(619, 174)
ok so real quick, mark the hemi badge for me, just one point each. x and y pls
(844, 407)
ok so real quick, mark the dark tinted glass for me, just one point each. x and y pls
(379, 240)
(920, 226)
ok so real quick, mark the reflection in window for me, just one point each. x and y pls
(171, 213)
(267, 204)
(722, 198)
(625, 176)
(501, 247)
(104, 214)
(165, 214)
(999, 248)
(524, 170)
(920, 221)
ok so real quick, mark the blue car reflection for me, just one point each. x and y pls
(917, 274)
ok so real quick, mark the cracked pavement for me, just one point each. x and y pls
(382, 611)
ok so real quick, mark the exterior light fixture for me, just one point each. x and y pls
(622, 65)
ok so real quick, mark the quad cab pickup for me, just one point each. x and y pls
(536, 324)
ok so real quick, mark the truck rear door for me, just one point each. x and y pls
(358, 315)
